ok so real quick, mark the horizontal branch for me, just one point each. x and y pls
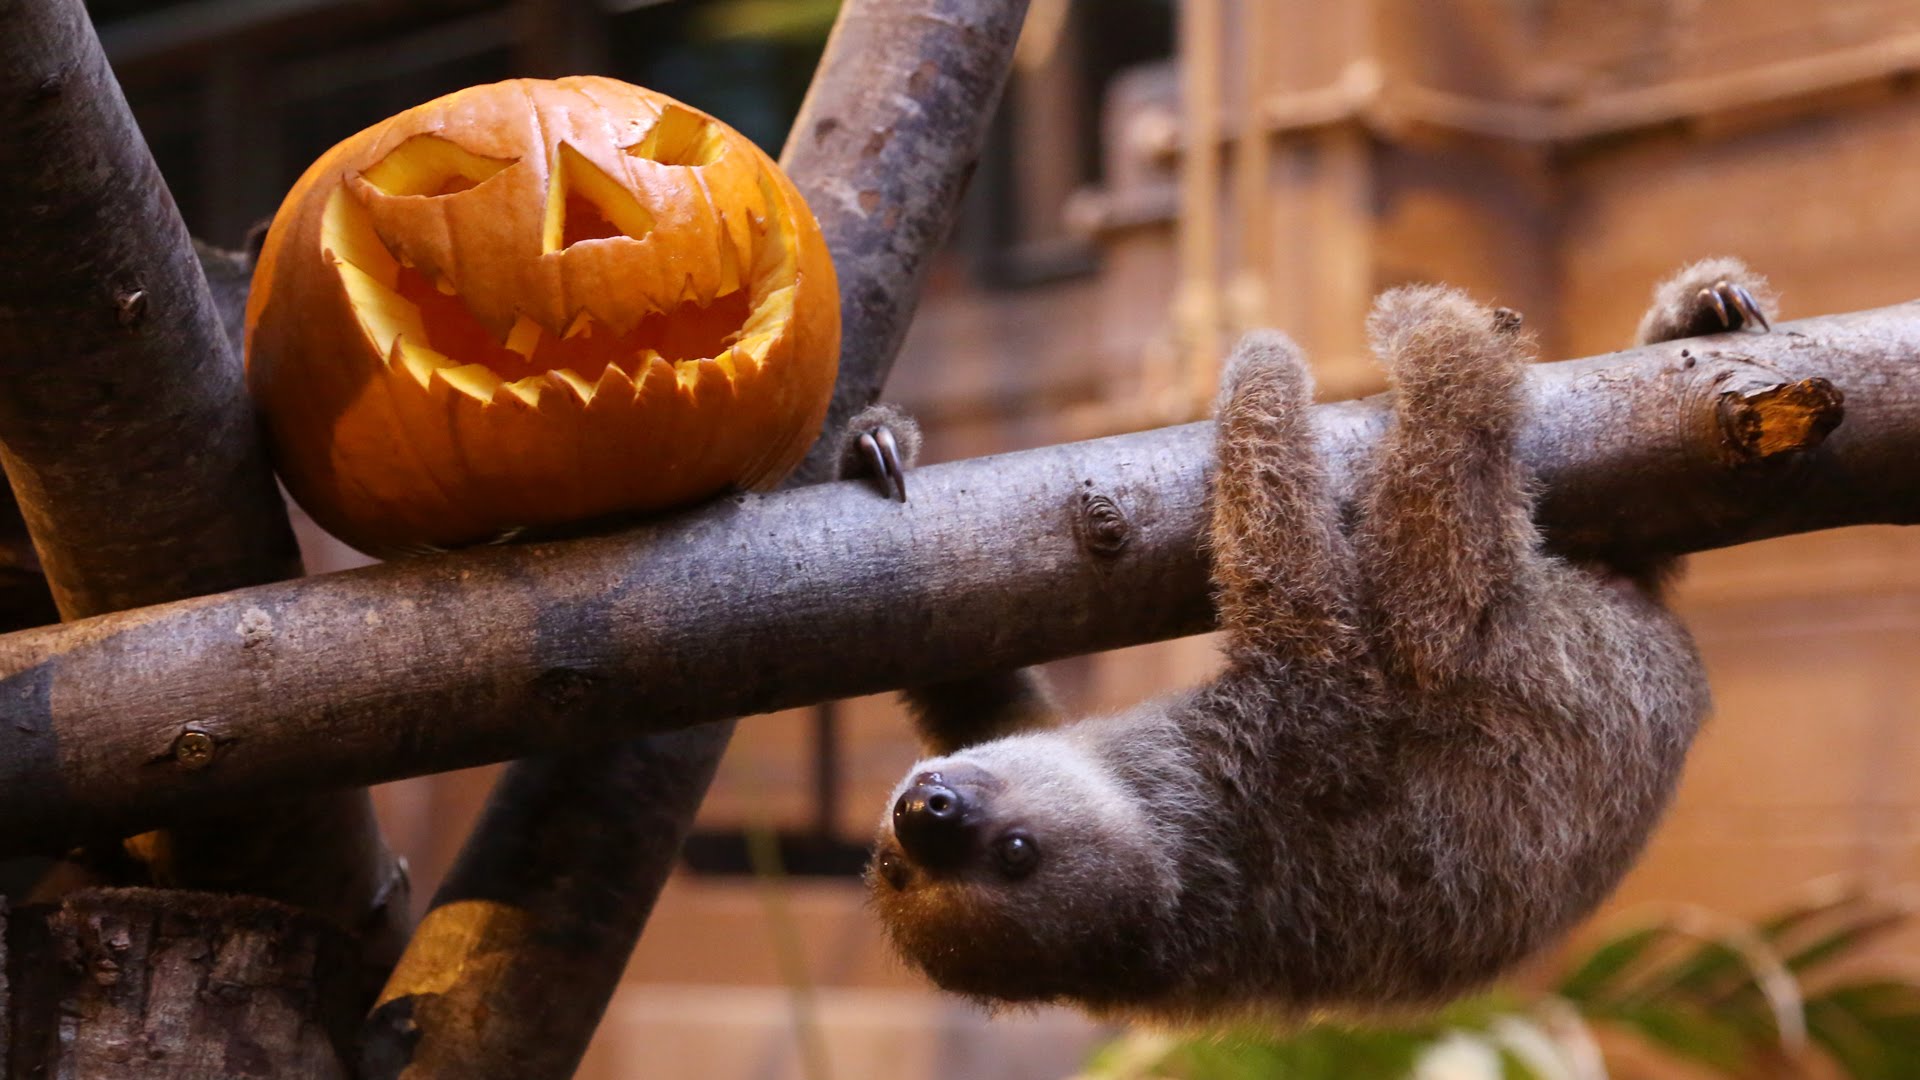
(760, 603)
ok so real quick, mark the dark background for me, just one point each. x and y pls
(237, 97)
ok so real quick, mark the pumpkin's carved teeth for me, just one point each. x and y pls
(419, 322)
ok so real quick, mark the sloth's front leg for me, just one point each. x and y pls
(882, 443)
(1711, 296)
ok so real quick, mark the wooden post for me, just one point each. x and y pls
(1198, 317)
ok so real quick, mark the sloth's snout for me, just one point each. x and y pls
(933, 822)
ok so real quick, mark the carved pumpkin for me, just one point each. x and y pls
(536, 303)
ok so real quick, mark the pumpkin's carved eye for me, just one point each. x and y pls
(681, 137)
(432, 166)
(584, 203)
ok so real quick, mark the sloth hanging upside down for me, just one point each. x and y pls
(1433, 747)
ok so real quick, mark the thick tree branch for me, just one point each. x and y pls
(890, 132)
(527, 939)
(762, 603)
(143, 984)
(513, 965)
(126, 430)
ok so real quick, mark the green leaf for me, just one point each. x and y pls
(1606, 962)
(1786, 923)
(1538, 1052)
(1865, 923)
(1683, 1031)
(1321, 1052)
(1870, 1029)
(1327, 1050)
(1135, 1054)
(1515, 1067)
(1844, 940)
(1711, 963)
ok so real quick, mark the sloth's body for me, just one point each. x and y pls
(1432, 749)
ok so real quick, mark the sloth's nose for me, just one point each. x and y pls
(930, 821)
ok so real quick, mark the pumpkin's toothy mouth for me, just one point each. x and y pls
(419, 323)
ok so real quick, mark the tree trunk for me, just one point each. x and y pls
(144, 984)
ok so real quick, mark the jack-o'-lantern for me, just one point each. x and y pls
(537, 303)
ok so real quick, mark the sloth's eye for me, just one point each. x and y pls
(1017, 853)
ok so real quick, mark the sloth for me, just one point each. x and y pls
(1432, 747)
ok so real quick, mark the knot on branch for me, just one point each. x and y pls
(130, 307)
(1780, 419)
(1103, 526)
(47, 88)
(563, 688)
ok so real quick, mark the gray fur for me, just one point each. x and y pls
(1433, 747)
(879, 414)
(1680, 311)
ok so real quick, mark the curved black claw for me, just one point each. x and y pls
(1734, 306)
(882, 453)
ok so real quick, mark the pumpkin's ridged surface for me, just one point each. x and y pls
(536, 303)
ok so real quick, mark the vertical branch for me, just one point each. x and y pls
(526, 941)
(882, 150)
(128, 436)
(511, 968)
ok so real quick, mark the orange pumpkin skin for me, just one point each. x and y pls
(537, 303)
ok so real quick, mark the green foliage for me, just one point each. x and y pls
(801, 21)
(1736, 999)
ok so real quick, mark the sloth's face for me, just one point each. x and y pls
(1019, 870)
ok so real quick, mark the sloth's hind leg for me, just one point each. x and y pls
(1445, 529)
(1279, 560)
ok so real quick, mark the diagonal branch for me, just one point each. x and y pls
(129, 439)
(527, 938)
(761, 603)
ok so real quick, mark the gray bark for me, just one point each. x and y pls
(760, 603)
(143, 984)
(884, 145)
(127, 432)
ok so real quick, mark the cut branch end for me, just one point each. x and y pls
(1780, 419)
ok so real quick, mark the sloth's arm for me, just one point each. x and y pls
(881, 443)
(1708, 297)
(952, 715)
